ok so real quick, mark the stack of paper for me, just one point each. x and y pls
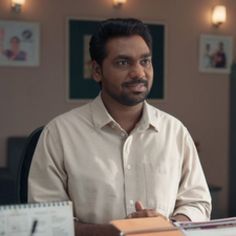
(158, 226)
(219, 227)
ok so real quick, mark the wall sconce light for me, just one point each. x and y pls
(118, 3)
(218, 15)
(16, 5)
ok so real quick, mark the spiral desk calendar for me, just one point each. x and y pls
(37, 219)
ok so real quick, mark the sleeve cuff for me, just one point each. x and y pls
(192, 213)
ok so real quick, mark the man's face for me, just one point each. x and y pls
(126, 73)
(15, 45)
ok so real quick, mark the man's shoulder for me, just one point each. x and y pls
(73, 116)
(161, 114)
(164, 118)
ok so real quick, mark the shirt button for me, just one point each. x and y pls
(128, 167)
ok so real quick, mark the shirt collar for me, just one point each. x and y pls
(101, 116)
(149, 118)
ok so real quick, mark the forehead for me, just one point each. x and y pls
(130, 46)
(14, 40)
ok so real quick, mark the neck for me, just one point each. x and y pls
(126, 116)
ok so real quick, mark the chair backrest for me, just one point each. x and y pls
(24, 166)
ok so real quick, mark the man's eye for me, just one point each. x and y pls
(146, 61)
(122, 62)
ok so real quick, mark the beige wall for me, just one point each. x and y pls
(30, 97)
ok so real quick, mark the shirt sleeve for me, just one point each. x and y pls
(193, 199)
(47, 177)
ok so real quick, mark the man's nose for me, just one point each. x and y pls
(137, 71)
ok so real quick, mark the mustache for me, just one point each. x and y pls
(135, 81)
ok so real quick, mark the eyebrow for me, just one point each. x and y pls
(124, 56)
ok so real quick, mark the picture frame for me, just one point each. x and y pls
(80, 83)
(215, 53)
(19, 43)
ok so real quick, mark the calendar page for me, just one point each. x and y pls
(37, 219)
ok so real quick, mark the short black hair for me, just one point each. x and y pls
(113, 28)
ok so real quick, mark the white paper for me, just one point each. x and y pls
(53, 219)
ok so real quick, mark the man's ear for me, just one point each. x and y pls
(96, 71)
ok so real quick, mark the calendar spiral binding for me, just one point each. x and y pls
(34, 205)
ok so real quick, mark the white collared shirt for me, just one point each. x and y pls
(86, 157)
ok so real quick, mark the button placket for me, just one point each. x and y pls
(128, 175)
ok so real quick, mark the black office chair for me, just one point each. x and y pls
(24, 166)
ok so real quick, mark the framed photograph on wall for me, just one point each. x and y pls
(19, 43)
(215, 53)
(80, 83)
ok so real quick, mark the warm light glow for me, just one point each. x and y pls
(118, 3)
(21, 2)
(17, 4)
(218, 15)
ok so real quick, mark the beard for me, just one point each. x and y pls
(130, 98)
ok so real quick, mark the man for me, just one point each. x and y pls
(219, 57)
(15, 53)
(118, 157)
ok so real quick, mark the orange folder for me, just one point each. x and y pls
(150, 226)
